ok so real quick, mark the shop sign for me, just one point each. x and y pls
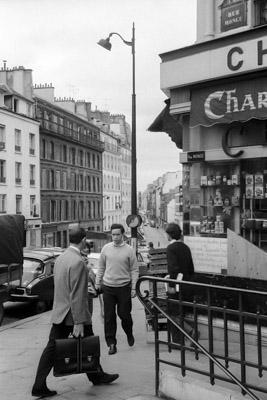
(233, 14)
(239, 101)
(240, 57)
(196, 156)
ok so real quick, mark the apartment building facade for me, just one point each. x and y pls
(70, 167)
(19, 151)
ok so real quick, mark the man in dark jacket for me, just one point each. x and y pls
(180, 267)
(70, 314)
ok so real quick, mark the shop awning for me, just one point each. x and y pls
(226, 103)
(166, 123)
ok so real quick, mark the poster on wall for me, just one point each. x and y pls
(209, 254)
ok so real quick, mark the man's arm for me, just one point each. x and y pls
(134, 271)
(100, 270)
(172, 261)
(78, 281)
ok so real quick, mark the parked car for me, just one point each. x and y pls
(37, 284)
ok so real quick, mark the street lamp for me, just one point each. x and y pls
(107, 45)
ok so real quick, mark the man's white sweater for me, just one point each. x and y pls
(117, 266)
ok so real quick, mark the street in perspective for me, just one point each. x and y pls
(133, 199)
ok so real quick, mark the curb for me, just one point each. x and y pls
(21, 322)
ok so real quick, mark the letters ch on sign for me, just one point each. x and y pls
(238, 52)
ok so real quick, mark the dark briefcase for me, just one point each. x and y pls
(76, 356)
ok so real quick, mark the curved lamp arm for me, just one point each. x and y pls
(124, 41)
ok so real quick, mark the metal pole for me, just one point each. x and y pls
(133, 161)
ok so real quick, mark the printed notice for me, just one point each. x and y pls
(209, 254)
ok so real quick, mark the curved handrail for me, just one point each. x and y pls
(145, 299)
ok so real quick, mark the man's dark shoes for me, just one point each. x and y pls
(112, 349)
(43, 392)
(105, 379)
(130, 340)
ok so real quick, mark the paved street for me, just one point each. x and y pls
(155, 235)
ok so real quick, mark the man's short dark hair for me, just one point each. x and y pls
(76, 234)
(118, 226)
(174, 231)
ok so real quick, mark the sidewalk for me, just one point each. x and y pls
(22, 342)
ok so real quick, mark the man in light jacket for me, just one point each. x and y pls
(70, 314)
(118, 273)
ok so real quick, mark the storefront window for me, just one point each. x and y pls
(220, 196)
(212, 199)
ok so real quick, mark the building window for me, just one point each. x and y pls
(88, 155)
(18, 204)
(43, 149)
(18, 169)
(2, 203)
(89, 210)
(2, 171)
(52, 179)
(33, 210)
(43, 179)
(81, 210)
(2, 137)
(81, 182)
(64, 151)
(81, 158)
(260, 12)
(64, 180)
(93, 160)
(72, 156)
(51, 151)
(18, 140)
(99, 209)
(72, 181)
(32, 143)
(66, 215)
(53, 210)
(89, 183)
(32, 175)
(94, 187)
(57, 179)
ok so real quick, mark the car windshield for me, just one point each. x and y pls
(30, 267)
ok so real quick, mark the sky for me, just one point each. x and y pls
(57, 39)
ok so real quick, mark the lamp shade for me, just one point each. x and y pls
(105, 43)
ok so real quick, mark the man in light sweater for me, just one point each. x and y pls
(118, 273)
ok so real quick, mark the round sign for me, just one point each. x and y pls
(133, 220)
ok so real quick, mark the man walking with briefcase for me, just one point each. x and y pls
(70, 314)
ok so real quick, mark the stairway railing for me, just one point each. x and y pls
(240, 305)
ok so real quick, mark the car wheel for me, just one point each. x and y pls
(40, 307)
(1, 313)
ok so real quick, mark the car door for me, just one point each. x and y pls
(44, 288)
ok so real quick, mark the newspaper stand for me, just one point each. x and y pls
(157, 267)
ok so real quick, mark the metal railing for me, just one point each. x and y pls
(211, 303)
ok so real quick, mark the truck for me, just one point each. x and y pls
(12, 241)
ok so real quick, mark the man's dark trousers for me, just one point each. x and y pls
(46, 363)
(119, 297)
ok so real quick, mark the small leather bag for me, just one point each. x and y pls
(77, 355)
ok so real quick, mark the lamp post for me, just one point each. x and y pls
(107, 45)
